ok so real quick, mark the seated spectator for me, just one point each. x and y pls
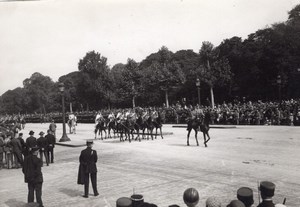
(245, 195)
(212, 202)
(236, 203)
(267, 190)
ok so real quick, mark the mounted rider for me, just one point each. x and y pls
(111, 117)
(99, 117)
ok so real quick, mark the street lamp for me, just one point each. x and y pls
(279, 86)
(198, 88)
(64, 137)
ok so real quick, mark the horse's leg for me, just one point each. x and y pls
(155, 132)
(161, 132)
(204, 137)
(188, 137)
(207, 136)
(196, 132)
(95, 133)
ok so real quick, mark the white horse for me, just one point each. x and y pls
(72, 122)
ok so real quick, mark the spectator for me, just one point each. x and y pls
(267, 190)
(42, 143)
(8, 151)
(23, 144)
(236, 203)
(1, 151)
(52, 127)
(245, 195)
(33, 176)
(212, 202)
(88, 168)
(31, 141)
(51, 144)
(17, 152)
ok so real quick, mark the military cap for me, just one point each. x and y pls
(31, 132)
(236, 203)
(213, 202)
(124, 202)
(41, 133)
(89, 142)
(245, 195)
(267, 188)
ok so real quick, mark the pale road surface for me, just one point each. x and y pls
(162, 169)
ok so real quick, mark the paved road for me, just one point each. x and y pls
(163, 168)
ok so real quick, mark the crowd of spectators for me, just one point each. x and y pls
(236, 113)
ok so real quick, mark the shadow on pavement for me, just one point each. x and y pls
(70, 192)
(15, 202)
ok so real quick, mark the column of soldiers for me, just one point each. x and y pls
(13, 148)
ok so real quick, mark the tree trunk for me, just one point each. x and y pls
(133, 102)
(167, 99)
(212, 97)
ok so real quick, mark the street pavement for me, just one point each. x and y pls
(162, 169)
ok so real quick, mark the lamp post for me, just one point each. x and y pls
(279, 86)
(198, 88)
(64, 137)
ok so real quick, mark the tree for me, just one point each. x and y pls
(213, 70)
(38, 89)
(162, 72)
(96, 78)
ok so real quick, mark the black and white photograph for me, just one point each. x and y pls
(158, 103)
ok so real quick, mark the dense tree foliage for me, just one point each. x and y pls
(265, 65)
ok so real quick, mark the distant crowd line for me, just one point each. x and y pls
(237, 113)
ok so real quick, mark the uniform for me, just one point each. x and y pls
(87, 168)
(267, 190)
(245, 195)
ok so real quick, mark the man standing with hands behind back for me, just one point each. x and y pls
(87, 168)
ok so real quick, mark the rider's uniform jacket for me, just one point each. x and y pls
(98, 117)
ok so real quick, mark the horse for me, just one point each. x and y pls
(150, 127)
(195, 124)
(101, 125)
(140, 125)
(124, 129)
(112, 125)
(157, 123)
(72, 126)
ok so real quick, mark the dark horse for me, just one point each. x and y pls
(157, 123)
(100, 126)
(204, 128)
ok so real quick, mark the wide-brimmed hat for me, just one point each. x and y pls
(31, 132)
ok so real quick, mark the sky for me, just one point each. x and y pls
(51, 36)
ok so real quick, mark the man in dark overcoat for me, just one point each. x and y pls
(17, 151)
(51, 144)
(32, 169)
(23, 144)
(88, 168)
(42, 143)
(31, 141)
